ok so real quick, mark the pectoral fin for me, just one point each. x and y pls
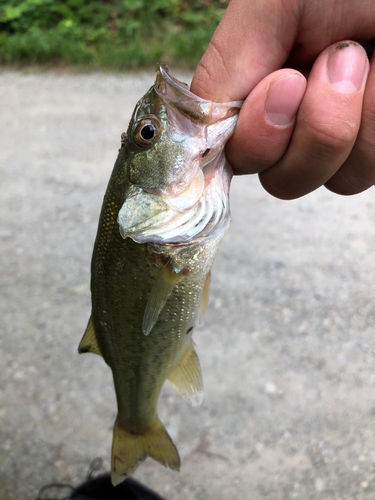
(186, 378)
(158, 297)
(89, 342)
(204, 298)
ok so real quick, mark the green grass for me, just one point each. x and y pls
(113, 34)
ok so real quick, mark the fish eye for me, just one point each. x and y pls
(146, 132)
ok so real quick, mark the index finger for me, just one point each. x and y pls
(253, 39)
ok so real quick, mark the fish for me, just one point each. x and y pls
(164, 213)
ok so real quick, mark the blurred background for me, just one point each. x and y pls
(113, 34)
(286, 346)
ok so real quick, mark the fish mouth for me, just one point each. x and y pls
(179, 95)
(201, 210)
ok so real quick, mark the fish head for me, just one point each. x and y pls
(174, 150)
(153, 156)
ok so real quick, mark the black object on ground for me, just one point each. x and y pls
(100, 488)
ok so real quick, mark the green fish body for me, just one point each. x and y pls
(164, 214)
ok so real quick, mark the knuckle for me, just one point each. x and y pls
(346, 184)
(356, 175)
(212, 75)
(203, 79)
(219, 56)
(275, 186)
(369, 115)
(334, 137)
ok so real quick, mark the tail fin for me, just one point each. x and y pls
(129, 450)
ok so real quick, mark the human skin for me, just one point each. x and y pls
(297, 134)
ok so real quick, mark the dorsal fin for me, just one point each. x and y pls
(89, 341)
(186, 378)
(159, 296)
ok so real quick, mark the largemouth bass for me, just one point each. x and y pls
(164, 214)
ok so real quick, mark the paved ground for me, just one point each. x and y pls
(286, 347)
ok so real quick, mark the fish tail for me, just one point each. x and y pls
(129, 449)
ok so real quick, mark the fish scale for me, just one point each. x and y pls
(164, 214)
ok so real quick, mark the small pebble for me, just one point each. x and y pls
(319, 484)
(271, 388)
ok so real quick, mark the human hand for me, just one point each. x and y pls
(297, 136)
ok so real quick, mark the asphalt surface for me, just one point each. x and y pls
(286, 347)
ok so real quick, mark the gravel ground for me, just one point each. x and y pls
(286, 346)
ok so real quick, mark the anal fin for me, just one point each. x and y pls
(186, 378)
(158, 297)
(89, 341)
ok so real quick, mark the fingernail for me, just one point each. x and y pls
(283, 98)
(347, 66)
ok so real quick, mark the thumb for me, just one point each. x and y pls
(253, 39)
